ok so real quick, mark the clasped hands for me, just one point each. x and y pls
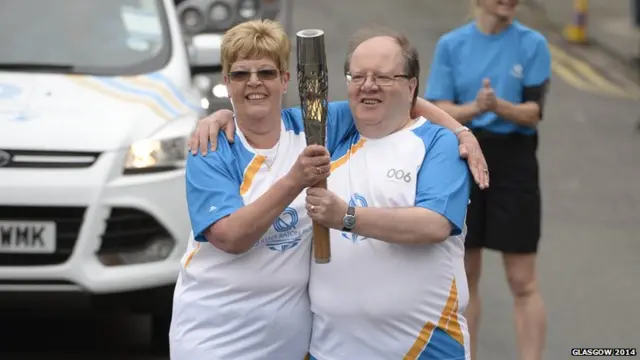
(486, 99)
(326, 208)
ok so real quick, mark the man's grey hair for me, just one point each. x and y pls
(409, 52)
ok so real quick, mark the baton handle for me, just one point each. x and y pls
(321, 244)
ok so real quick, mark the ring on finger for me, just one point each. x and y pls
(311, 209)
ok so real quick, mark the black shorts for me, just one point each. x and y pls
(507, 216)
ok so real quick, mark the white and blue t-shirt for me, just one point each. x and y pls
(377, 300)
(252, 306)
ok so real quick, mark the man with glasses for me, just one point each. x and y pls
(395, 287)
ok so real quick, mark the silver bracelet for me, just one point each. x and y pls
(461, 129)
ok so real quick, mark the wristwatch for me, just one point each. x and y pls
(461, 129)
(349, 220)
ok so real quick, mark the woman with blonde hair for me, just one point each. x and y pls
(242, 289)
(493, 75)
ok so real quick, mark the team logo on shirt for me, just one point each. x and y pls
(356, 200)
(517, 71)
(287, 234)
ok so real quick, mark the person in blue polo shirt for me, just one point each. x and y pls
(492, 74)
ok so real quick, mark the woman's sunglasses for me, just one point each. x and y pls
(244, 75)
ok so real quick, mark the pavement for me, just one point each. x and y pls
(610, 23)
(599, 66)
(590, 171)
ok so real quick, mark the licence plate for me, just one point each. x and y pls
(30, 237)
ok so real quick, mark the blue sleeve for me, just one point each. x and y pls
(212, 191)
(538, 68)
(440, 85)
(340, 122)
(443, 183)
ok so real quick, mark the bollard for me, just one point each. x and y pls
(576, 32)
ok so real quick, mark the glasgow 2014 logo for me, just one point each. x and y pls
(287, 234)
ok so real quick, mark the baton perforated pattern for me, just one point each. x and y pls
(313, 88)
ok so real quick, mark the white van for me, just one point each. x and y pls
(96, 104)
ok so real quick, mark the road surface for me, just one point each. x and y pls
(590, 169)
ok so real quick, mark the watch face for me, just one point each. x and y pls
(349, 221)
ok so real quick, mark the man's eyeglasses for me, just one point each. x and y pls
(244, 75)
(380, 80)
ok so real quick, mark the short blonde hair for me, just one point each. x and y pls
(256, 39)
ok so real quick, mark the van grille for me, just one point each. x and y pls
(35, 159)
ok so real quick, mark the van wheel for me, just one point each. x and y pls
(160, 333)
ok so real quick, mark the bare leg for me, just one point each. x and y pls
(473, 268)
(529, 307)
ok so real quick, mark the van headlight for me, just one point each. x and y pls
(156, 155)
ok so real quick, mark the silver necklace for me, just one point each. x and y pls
(261, 153)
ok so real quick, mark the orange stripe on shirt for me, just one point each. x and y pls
(191, 255)
(344, 158)
(250, 173)
(449, 317)
(448, 322)
(421, 341)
